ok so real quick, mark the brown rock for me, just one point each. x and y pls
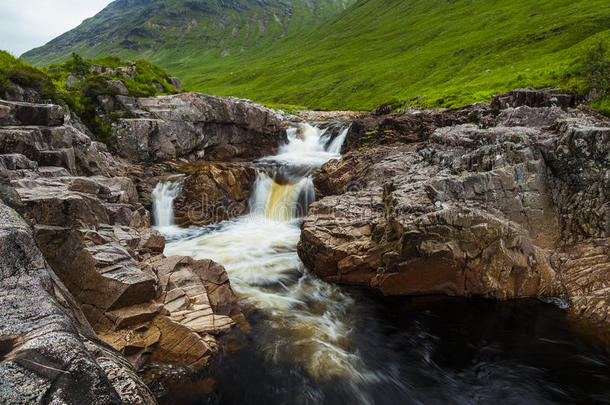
(48, 348)
(501, 212)
(213, 192)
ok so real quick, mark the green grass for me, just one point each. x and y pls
(435, 53)
(439, 53)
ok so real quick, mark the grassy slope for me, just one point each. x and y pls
(81, 97)
(190, 31)
(387, 50)
(436, 52)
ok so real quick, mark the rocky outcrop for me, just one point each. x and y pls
(49, 354)
(92, 230)
(411, 125)
(535, 98)
(516, 207)
(195, 125)
(213, 192)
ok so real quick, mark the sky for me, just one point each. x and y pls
(27, 24)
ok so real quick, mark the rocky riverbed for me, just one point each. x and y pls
(503, 200)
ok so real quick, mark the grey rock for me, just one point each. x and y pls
(50, 354)
(181, 125)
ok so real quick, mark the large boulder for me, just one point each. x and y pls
(500, 211)
(213, 192)
(196, 125)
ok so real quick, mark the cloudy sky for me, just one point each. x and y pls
(26, 24)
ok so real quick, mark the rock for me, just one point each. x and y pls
(102, 277)
(72, 81)
(118, 87)
(16, 92)
(502, 212)
(187, 124)
(174, 81)
(21, 113)
(49, 352)
(411, 125)
(584, 270)
(213, 192)
(43, 134)
(194, 307)
(535, 98)
(159, 87)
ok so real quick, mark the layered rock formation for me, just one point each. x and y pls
(48, 351)
(515, 206)
(195, 125)
(106, 274)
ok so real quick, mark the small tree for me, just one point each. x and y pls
(80, 67)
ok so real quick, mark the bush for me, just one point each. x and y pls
(79, 68)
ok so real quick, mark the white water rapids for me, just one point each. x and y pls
(310, 318)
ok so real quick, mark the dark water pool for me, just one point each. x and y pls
(436, 350)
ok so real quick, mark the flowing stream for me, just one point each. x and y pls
(313, 342)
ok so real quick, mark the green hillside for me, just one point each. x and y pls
(431, 52)
(192, 31)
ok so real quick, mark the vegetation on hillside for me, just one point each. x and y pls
(79, 83)
(15, 72)
(440, 53)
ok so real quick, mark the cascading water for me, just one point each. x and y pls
(163, 204)
(310, 317)
(313, 343)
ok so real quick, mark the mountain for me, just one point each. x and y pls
(360, 54)
(185, 30)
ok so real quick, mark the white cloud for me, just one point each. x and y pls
(26, 24)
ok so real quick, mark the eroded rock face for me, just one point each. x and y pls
(502, 211)
(213, 192)
(91, 228)
(49, 354)
(196, 125)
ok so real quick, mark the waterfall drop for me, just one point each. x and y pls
(163, 203)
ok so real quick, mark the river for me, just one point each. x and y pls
(316, 343)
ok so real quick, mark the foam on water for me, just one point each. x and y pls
(259, 252)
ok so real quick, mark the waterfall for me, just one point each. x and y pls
(286, 195)
(337, 143)
(311, 321)
(163, 203)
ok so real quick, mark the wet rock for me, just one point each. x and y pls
(213, 192)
